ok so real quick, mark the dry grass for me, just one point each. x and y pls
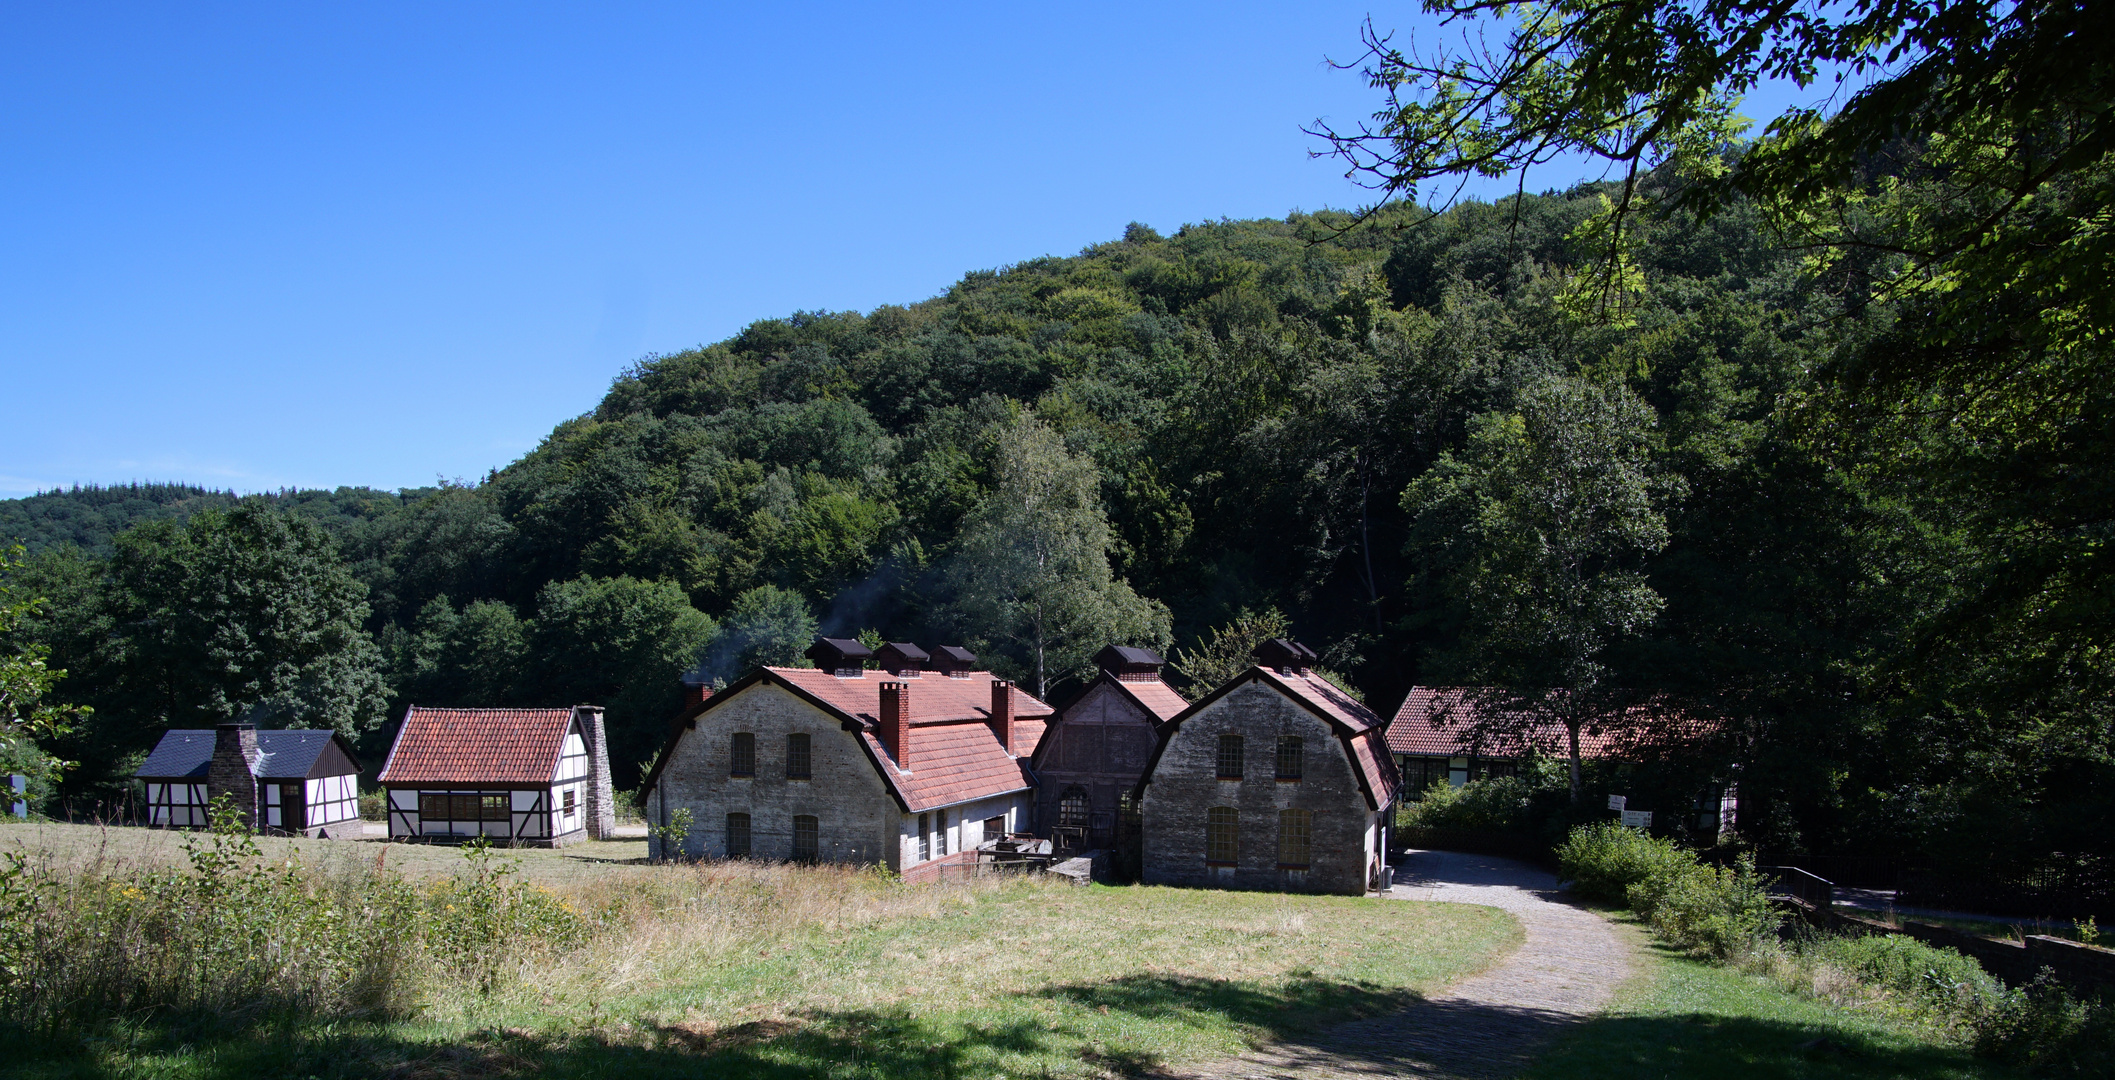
(766, 969)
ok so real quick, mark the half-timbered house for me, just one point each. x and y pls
(284, 782)
(537, 777)
(1091, 755)
(1276, 780)
(910, 767)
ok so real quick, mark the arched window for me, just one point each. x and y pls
(1072, 806)
(1230, 755)
(737, 835)
(1222, 836)
(741, 754)
(1289, 754)
(806, 838)
(1296, 832)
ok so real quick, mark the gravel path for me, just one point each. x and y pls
(1487, 1025)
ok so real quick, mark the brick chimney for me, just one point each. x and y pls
(1002, 713)
(896, 722)
(696, 693)
(232, 771)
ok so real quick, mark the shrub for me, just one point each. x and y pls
(1497, 804)
(1601, 862)
(2042, 1027)
(1947, 984)
(1718, 912)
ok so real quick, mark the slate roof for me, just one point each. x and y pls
(496, 747)
(955, 756)
(186, 753)
(1358, 728)
(1435, 721)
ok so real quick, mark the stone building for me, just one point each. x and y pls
(283, 782)
(911, 766)
(1276, 780)
(538, 777)
(1093, 752)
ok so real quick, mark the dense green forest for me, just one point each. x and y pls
(1313, 415)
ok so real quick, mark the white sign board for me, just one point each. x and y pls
(17, 784)
(1637, 819)
(1618, 802)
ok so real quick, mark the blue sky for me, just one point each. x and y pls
(254, 246)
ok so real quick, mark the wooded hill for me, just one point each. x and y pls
(1299, 415)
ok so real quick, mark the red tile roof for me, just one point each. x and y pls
(477, 746)
(1154, 696)
(955, 755)
(1440, 721)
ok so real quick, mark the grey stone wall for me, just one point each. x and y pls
(1101, 744)
(856, 818)
(1184, 785)
(601, 819)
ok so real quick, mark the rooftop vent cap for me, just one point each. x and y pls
(954, 661)
(903, 659)
(1286, 656)
(1129, 663)
(845, 658)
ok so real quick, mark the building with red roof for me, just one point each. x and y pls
(523, 776)
(911, 766)
(1460, 733)
(1276, 780)
(1094, 750)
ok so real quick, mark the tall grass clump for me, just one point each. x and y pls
(235, 937)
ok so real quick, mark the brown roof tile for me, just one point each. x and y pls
(1440, 721)
(477, 746)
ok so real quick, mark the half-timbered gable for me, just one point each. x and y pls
(1090, 758)
(910, 767)
(1276, 780)
(525, 776)
(282, 782)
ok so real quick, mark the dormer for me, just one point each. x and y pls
(845, 658)
(903, 659)
(1130, 664)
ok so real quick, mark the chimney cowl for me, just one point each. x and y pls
(1130, 663)
(1285, 655)
(845, 658)
(902, 659)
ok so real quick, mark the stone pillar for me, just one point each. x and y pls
(601, 794)
(232, 772)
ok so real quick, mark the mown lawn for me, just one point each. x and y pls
(760, 970)
(1682, 1018)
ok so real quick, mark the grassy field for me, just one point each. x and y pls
(1681, 1018)
(760, 970)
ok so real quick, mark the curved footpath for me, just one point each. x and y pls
(1487, 1025)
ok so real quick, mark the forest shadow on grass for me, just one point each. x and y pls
(1303, 1004)
(1713, 1047)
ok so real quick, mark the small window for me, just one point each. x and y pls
(1230, 754)
(806, 837)
(496, 807)
(1072, 806)
(1296, 830)
(994, 827)
(1289, 752)
(571, 806)
(797, 756)
(433, 807)
(925, 837)
(1222, 836)
(737, 835)
(941, 837)
(741, 754)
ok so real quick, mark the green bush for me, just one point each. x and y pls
(1716, 911)
(2043, 1027)
(1498, 804)
(1942, 980)
(1601, 862)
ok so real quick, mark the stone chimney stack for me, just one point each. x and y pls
(233, 769)
(601, 794)
(1002, 713)
(896, 722)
